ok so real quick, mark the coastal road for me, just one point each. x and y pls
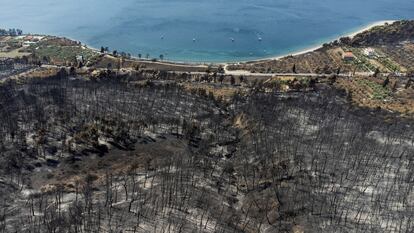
(248, 73)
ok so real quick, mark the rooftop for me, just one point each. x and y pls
(348, 54)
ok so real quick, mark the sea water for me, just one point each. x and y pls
(200, 30)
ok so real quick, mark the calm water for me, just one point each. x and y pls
(137, 26)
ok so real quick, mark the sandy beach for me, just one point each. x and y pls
(313, 48)
(299, 52)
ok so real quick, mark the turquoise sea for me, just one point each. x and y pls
(201, 30)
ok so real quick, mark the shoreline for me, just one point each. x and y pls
(309, 49)
(316, 47)
(297, 52)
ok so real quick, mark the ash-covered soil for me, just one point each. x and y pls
(112, 156)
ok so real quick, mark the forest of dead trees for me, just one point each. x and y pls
(110, 155)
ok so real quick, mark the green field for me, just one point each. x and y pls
(63, 53)
(378, 91)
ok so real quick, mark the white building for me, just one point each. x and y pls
(369, 52)
(79, 58)
(28, 43)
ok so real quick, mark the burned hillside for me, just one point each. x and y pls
(111, 155)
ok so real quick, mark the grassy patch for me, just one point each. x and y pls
(63, 53)
(378, 92)
(13, 54)
(391, 65)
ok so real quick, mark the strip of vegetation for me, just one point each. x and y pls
(379, 92)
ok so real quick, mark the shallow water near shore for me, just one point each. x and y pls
(201, 31)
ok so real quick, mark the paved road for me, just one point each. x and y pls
(248, 73)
